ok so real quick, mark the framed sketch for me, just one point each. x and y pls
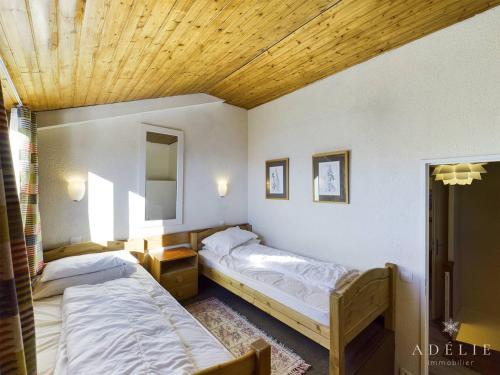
(331, 177)
(277, 179)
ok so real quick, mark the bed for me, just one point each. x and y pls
(332, 319)
(205, 353)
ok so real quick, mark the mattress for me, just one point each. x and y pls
(302, 297)
(205, 350)
(47, 328)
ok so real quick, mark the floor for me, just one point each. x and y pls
(478, 327)
(483, 365)
(436, 336)
(312, 353)
(446, 370)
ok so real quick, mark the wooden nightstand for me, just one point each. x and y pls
(177, 271)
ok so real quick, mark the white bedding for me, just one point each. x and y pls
(47, 327)
(270, 276)
(326, 275)
(201, 349)
(117, 328)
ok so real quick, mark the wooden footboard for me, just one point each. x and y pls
(255, 362)
(353, 308)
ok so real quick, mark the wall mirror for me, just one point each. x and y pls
(162, 174)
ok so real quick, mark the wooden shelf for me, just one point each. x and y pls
(174, 254)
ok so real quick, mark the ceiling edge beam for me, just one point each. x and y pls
(12, 87)
(80, 115)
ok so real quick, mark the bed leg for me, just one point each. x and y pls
(337, 344)
(390, 314)
(263, 353)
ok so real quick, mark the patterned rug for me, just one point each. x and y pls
(236, 333)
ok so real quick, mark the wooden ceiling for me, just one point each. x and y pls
(71, 53)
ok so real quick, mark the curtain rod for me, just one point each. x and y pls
(6, 74)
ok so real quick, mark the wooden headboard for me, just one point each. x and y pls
(199, 235)
(166, 240)
(81, 249)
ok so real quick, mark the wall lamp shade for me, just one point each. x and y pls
(459, 174)
(222, 188)
(76, 190)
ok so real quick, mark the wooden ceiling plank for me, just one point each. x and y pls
(140, 14)
(450, 14)
(197, 46)
(15, 22)
(43, 19)
(333, 22)
(11, 67)
(121, 86)
(82, 52)
(223, 65)
(281, 85)
(69, 25)
(368, 24)
(41, 89)
(119, 19)
(218, 35)
(90, 38)
(8, 97)
(270, 25)
(132, 74)
(307, 41)
(228, 29)
(388, 41)
(177, 43)
(145, 36)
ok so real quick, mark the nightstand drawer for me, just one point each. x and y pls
(180, 277)
(181, 292)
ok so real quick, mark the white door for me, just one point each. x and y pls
(438, 247)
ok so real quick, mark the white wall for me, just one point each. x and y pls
(437, 97)
(107, 148)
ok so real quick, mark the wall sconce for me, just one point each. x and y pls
(222, 188)
(459, 174)
(76, 190)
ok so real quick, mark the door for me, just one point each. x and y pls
(438, 247)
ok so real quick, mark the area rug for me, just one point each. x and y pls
(236, 333)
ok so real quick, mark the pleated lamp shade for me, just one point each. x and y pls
(459, 174)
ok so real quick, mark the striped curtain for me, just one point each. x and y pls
(23, 135)
(17, 330)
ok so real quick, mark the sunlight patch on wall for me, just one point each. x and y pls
(135, 214)
(101, 205)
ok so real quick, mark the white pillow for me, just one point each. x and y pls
(88, 263)
(223, 242)
(54, 287)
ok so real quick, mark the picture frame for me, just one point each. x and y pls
(277, 173)
(331, 177)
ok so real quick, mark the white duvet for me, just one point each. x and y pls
(328, 276)
(119, 327)
(202, 347)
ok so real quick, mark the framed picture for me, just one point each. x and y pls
(277, 179)
(331, 177)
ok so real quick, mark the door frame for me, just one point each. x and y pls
(425, 165)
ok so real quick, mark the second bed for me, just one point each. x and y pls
(332, 317)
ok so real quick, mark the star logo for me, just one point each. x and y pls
(451, 327)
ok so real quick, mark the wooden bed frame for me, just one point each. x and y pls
(257, 361)
(352, 308)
